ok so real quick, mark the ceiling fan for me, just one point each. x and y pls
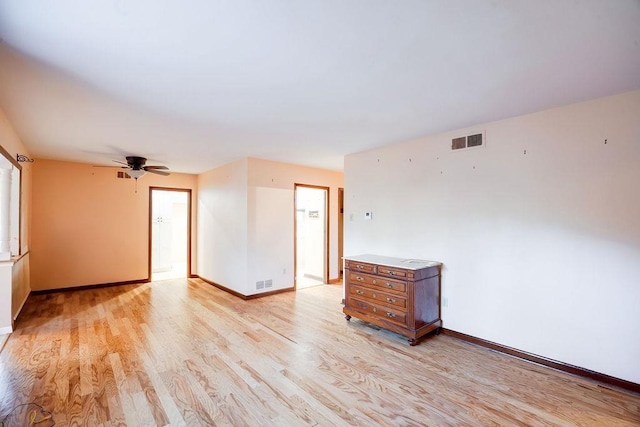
(137, 167)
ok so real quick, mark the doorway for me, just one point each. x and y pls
(311, 231)
(170, 233)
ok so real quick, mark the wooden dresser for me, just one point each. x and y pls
(398, 294)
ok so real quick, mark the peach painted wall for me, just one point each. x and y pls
(15, 285)
(90, 227)
(539, 231)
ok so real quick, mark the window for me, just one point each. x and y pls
(10, 178)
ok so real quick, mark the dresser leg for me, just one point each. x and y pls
(347, 317)
(412, 342)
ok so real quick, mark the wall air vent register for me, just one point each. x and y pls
(470, 141)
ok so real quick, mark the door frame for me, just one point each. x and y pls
(150, 248)
(326, 231)
(340, 232)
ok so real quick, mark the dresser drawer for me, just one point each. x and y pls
(392, 272)
(379, 311)
(361, 278)
(378, 282)
(361, 266)
(381, 297)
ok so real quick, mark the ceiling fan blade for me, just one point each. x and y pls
(158, 172)
(103, 166)
(122, 163)
(155, 167)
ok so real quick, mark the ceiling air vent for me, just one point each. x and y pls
(470, 141)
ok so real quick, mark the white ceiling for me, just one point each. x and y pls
(196, 84)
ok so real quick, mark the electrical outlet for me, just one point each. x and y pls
(368, 215)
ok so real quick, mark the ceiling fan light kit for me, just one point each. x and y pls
(135, 173)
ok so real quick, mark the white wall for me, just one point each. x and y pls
(541, 250)
(271, 242)
(222, 225)
(6, 321)
(245, 222)
(270, 238)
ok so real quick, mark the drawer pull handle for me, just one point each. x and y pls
(375, 309)
(392, 273)
(374, 281)
(359, 279)
(389, 285)
(391, 315)
(391, 300)
(360, 266)
(359, 292)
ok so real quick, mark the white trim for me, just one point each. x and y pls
(6, 330)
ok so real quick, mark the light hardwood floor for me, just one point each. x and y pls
(185, 353)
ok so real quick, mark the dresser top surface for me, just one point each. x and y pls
(406, 263)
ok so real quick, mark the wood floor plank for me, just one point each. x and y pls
(168, 405)
(126, 399)
(184, 353)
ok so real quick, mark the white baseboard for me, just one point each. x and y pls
(6, 330)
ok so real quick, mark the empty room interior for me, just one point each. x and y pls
(285, 213)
